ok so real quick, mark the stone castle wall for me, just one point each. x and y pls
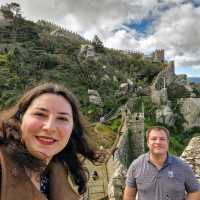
(161, 82)
(130, 144)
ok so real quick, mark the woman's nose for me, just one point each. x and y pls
(50, 124)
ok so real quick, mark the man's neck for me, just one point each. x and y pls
(157, 160)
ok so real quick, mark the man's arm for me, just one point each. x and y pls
(130, 193)
(193, 196)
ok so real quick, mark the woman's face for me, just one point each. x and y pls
(47, 126)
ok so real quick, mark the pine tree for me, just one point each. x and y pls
(98, 44)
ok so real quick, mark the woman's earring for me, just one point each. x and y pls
(18, 115)
(22, 141)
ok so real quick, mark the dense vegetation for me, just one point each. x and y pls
(38, 52)
(33, 52)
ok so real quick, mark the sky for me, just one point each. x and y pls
(137, 25)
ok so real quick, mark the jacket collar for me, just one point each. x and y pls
(15, 184)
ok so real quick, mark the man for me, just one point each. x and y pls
(157, 175)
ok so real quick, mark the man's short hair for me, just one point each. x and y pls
(157, 128)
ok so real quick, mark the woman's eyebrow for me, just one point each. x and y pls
(42, 109)
(65, 113)
(46, 110)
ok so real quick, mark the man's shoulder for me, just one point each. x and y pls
(180, 163)
(139, 160)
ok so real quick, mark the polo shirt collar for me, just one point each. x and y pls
(167, 162)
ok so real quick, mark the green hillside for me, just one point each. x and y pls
(33, 52)
(37, 52)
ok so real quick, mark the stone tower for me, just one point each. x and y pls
(135, 123)
(158, 55)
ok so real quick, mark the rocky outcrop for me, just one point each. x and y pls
(105, 78)
(192, 155)
(125, 88)
(165, 116)
(190, 109)
(166, 76)
(116, 184)
(181, 79)
(159, 97)
(94, 97)
(88, 51)
(162, 81)
(3, 20)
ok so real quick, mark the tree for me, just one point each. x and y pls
(98, 44)
(11, 10)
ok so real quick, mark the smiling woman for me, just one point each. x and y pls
(41, 139)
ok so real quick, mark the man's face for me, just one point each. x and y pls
(158, 143)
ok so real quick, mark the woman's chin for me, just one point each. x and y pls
(42, 156)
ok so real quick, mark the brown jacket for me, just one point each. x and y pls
(16, 185)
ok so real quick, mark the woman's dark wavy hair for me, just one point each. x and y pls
(10, 121)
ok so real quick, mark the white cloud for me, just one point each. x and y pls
(123, 39)
(188, 60)
(176, 28)
(177, 31)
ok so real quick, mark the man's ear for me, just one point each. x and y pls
(147, 139)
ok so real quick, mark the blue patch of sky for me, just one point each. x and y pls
(196, 3)
(142, 27)
(188, 71)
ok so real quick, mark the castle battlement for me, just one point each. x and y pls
(158, 55)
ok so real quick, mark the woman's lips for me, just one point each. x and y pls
(45, 140)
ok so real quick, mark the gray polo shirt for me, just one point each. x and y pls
(168, 183)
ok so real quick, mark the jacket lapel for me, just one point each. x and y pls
(60, 188)
(15, 184)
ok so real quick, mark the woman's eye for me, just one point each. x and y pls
(63, 119)
(39, 114)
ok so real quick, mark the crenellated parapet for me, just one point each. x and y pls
(57, 30)
(158, 55)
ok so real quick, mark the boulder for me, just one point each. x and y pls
(159, 97)
(94, 97)
(126, 88)
(165, 115)
(123, 89)
(93, 92)
(190, 109)
(105, 78)
(181, 79)
(88, 51)
(191, 155)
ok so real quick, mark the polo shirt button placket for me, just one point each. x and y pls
(167, 197)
